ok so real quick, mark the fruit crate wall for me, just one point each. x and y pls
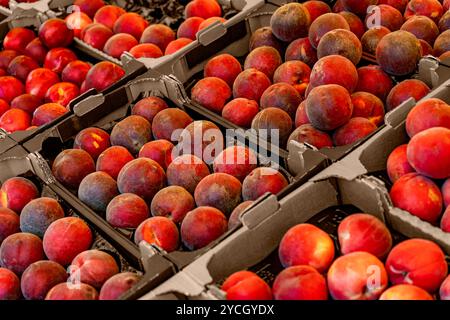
(31, 18)
(369, 162)
(17, 162)
(233, 38)
(104, 111)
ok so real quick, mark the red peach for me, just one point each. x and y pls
(189, 28)
(21, 66)
(441, 45)
(400, 5)
(168, 122)
(9, 285)
(6, 56)
(38, 214)
(62, 93)
(357, 276)
(40, 277)
(159, 35)
(425, 48)
(117, 285)
(237, 161)
(108, 15)
(66, 291)
(368, 106)
(159, 151)
(354, 130)
(10, 87)
(427, 114)
(429, 8)
(405, 292)
(146, 50)
(240, 112)
(422, 27)
(26, 102)
(212, 93)
(127, 211)
(186, 171)
(411, 88)
(374, 80)
(36, 50)
(235, 216)
(300, 283)
(77, 21)
(338, 6)
(9, 223)
(131, 23)
(113, 159)
(250, 84)
(295, 73)
(39, 81)
(301, 117)
(444, 23)
(305, 244)
(75, 72)
(17, 39)
(96, 190)
(160, 231)
(290, 21)
(15, 120)
(445, 189)
(223, 66)
(118, 44)
(316, 9)
(385, 16)
(54, 33)
(262, 180)
(89, 7)
(47, 113)
(358, 7)
(301, 49)
(273, 125)
(281, 95)
(371, 38)
(265, 59)
(4, 106)
(324, 24)
(308, 134)
(71, 166)
(264, 37)
(103, 75)
(246, 285)
(210, 21)
(132, 133)
(176, 45)
(96, 35)
(444, 292)
(355, 23)
(203, 9)
(173, 202)
(397, 164)
(202, 226)
(340, 42)
(325, 72)
(149, 107)
(17, 192)
(418, 262)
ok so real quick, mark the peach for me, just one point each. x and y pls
(265, 59)
(316, 9)
(427, 114)
(374, 80)
(26, 102)
(186, 171)
(62, 93)
(429, 8)
(308, 134)
(168, 123)
(201, 138)
(325, 72)
(9, 223)
(65, 238)
(96, 190)
(398, 53)
(364, 232)
(354, 130)
(96, 35)
(301, 117)
(300, 283)
(71, 166)
(149, 107)
(425, 48)
(6, 56)
(9, 285)
(445, 189)
(405, 292)
(173, 202)
(54, 33)
(444, 23)
(305, 244)
(159, 151)
(422, 27)
(127, 211)
(210, 21)
(273, 125)
(130, 23)
(355, 23)
(118, 44)
(66, 291)
(92, 140)
(132, 133)
(212, 93)
(40, 277)
(358, 7)
(19, 250)
(39, 81)
(444, 292)
(262, 180)
(384, 15)
(176, 45)
(237, 161)
(160, 231)
(89, 7)
(16, 193)
(159, 35)
(324, 24)
(418, 262)
(240, 111)
(223, 66)
(435, 164)
(93, 267)
(10, 87)
(397, 163)
(112, 160)
(189, 28)
(47, 113)
(264, 37)
(202, 226)
(143, 177)
(77, 21)
(400, 5)
(411, 88)
(17, 39)
(338, 6)
(117, 285)
(4, 106)
(39, 214)
(108, 15)
(371, 38)
(290, 21)
(246, 285)
(103, 75)
(294, 73)
(301, 49)
(21, 66)
(235, 216)
(357, 276)
(283, 96)
(15, 120)
(418, 195)
(203, 9)
(368, 106)
(441, 45)
(146, 50)
(250, 84)
(340, 42)
(329, 107)
(36, 50)
(219, 190)
(445, 221)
